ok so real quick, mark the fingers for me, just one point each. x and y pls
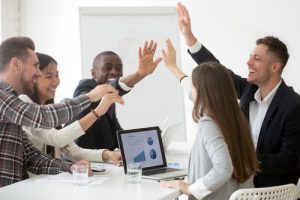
(145, 47)
(170, 184)
(113, 98)
(106, 101)
(140, 53)
(170, 45)
(163, 53)
(91, 173)
(182, 12)
(169, 49)
(150, 45)
(149, 48)
(157, 61)
(120, 163)
(154, 47)
(107, 88)
(118, 99)
(185, 12)
(179, 9)
(115, 158)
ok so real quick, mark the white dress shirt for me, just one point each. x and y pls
(257, 108)
(257, 111)
(195, 47)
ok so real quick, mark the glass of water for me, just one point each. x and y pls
(80, 173)
(134, 173)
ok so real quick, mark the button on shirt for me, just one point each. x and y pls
(257, 111)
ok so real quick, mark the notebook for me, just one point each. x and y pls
(144, 146)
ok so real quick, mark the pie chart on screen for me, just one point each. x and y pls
(152, 153)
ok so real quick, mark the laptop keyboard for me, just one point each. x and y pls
(159, 171)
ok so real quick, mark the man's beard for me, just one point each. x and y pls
(28, 88)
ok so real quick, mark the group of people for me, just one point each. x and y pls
(253, 142)
(30, 120)
(231, 149)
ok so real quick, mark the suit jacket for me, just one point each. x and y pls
(278, 147)
(102, 134)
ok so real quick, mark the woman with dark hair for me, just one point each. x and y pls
(63, 138)
(223, 156)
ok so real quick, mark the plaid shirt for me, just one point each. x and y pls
(17, 154)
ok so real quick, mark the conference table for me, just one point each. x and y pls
(111, 185)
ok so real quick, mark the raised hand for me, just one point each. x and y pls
(146, 63)
(169, 57)
(184, 23)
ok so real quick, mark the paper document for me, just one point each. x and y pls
(106, 166)
(66, 177)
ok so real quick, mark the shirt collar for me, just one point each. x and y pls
(269, 97)
(6, 87)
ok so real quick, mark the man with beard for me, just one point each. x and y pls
(19, 70)
(271, 106)
(108, 67)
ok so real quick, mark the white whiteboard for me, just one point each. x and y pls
(158, 98)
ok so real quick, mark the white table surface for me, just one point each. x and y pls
(113, 186)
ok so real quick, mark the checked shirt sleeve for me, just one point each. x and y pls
(14, 110)
(39, 163)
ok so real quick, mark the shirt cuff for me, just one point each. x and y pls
(195, 48)
(78, 129)
(124, 86)
(102, 160)
(83, 101)
(198, 189)
(186, 85)
(65, 167)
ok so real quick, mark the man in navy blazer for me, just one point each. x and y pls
(272, 107)
(108, 67)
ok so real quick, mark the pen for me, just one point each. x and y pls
(171, 179)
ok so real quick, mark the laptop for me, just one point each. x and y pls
(144, 146)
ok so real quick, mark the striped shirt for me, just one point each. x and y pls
(17, 154)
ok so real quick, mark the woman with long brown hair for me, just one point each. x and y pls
(223, 156)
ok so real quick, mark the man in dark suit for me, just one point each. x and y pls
(108, 67)
(272, 107)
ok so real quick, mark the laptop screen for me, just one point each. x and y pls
(142, 146)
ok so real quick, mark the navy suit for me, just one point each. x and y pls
(102, 134)
(278, 147)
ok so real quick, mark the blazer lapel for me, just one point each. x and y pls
(273, 106)
(265, 123)
(246, 99)
(248, 95)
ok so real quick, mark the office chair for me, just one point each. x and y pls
(282, 192)
(298, 189)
